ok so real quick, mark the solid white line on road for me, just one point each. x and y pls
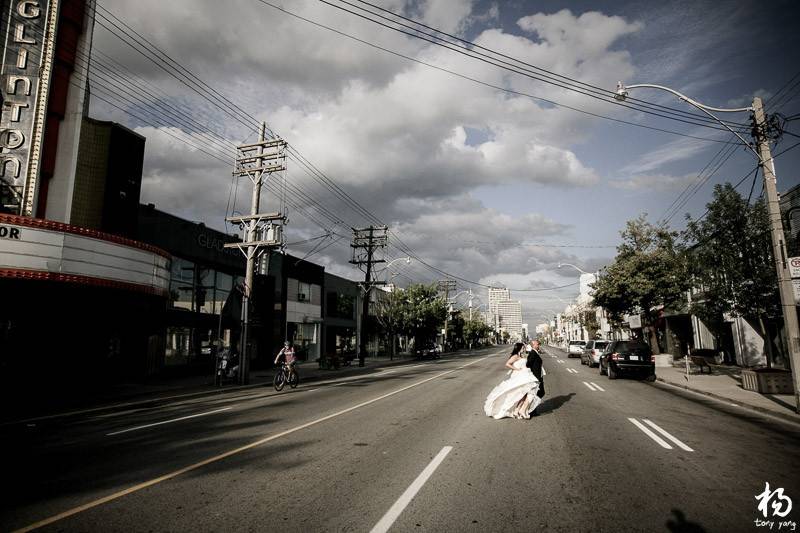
(167, 421)
(395, 510)
(591, 388)
(225, 455)
(598, 386)
(667, 435)
(650, 434)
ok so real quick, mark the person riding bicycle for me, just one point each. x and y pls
(289, 356)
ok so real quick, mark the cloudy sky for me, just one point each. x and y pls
(484, 173)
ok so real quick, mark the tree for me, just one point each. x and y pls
(730, 260)
(475, 330)
(417, 311)
(455, 328)
(647, 274)
(589, 321)
(390, 315)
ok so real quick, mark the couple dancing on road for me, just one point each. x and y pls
(522, 391)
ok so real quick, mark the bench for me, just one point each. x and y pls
(701, 361)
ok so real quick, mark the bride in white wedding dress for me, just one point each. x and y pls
(515, 396)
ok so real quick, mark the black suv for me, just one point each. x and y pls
(628, 357)
(428, 350)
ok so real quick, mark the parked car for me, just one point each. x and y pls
(628, 357)
(592, 352)
(428, 351)
(576, 348)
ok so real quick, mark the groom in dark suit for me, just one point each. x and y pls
(534, 362)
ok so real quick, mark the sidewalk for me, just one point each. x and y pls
(724, 383)
(45, 404)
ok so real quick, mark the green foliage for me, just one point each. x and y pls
(730, 260)
(649, 271)
(418, 312)
(476, 330)
(589, 321)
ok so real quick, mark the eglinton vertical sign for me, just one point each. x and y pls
(28, 29)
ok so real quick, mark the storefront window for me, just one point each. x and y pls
(181, 283)
(305, 338)
(204, 291)
(224, 284)
(178, 346)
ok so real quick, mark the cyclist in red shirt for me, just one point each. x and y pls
(289, 356)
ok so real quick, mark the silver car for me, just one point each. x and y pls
(576, 348)
(592, 351)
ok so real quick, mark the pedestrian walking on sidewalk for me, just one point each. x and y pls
(516, 396)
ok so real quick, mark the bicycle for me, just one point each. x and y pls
(284, 376)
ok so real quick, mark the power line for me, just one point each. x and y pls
(598, 90)
(604, 95)
(484, 83)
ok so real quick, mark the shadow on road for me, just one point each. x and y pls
(679, 524)
(551, 404)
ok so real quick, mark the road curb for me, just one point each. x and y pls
(761, 410)
(183, 396)
(111, 407)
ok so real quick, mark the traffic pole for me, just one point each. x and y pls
(788, 304)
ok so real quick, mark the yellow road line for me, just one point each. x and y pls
(214, 459)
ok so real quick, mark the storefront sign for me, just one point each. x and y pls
(86, 257)
(9, 232)
(634, 321)
(211, 242)
(24, 82)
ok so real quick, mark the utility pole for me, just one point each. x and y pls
(262, 231)
(788, 305)
(366, 242)
(445, 286)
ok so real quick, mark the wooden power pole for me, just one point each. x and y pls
(366, 242)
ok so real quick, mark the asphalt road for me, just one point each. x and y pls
(406, 448)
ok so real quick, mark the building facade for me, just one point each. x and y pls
(506, 314)
(340, 316)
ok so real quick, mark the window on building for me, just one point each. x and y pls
(303, 292)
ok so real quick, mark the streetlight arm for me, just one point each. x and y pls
(685, 99)
(573, 266)
(622, 93)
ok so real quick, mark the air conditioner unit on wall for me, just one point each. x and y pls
(301, 297)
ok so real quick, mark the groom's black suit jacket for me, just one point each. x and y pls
(535, 364)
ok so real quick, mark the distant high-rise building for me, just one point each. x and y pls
(506, 313)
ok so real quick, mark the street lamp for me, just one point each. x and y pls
(767, 164)
(573, 266)
(394, 274)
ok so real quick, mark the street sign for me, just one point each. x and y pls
(796, 287)
(794, 267)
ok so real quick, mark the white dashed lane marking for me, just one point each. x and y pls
(167, 421)
(661, 442)
(385, 523)
(667, 435)
(572, 371)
